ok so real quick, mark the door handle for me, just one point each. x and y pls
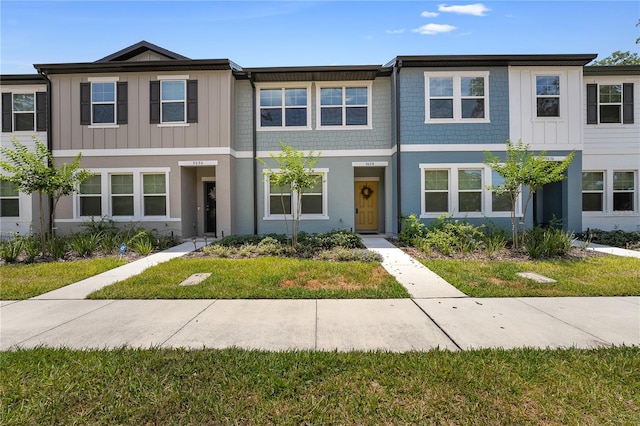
(356, 210)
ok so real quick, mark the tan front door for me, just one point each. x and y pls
(366, 205)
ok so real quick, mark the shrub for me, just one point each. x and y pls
(217, 250)
(451, 236)
(547, 242)
(614, 238)
(10, 250)
(411, 229)
(31, 248)
(494, 241)
(84, 244)
(57, 247)
(343, 254)
(270, 246)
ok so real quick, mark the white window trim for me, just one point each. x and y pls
(603, 192)
(325, 200)
(13, 197)
(283, 127)
(114, 124)
(164, 194)
(562, 101)
(607, 199)
(344, 85)
(457, 97)
(184, 102)
(634, 209)
(452, 169)
(138, 195)
(13, 113)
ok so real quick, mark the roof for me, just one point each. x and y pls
(22, 79)
(316, 73)
(138, 48)
(493, 60)
(595, 70)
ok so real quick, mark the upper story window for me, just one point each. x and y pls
(610, 103)
(548, 96)
(284, 108)
(103, 102)
(9, 199)
(344, 106)
(173, 100)
(24, 112)
(456, 97)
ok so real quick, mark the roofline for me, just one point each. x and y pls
(137, 66)
(303, 73)
(136, 49)
(603, 70)
(22, 79)
(493, 60)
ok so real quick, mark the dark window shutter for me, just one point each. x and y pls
(41, 111)
(192, 101)
(592, 104)
(627, 103)
(154, 102)
(85, 103)
(123, 97)
(7, 115)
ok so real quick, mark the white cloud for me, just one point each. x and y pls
(430, 29)
(400, 31)
(427, 14)
(477, 9)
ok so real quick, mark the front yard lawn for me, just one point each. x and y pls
(592, 276)
(258, 278)
(23, 281)
(167, 386)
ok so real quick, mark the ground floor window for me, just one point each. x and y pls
(609, 191)
(461, 189)
(90, 196)
(9, 199)
(281, 201)
(623, 190)
(592, 191)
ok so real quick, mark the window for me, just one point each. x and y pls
(436, 191)
(9, 199)
(24, 112)
(344, 106)
(470, 190)
(154, 190)
(122, 195)
(458, 97)
(281, 201)
(623, 190)
(103, 103)
(90, 196)
(173, 101)
(499, 202)
(284, 107)
(592, 191)
(548, 95)
(610, 103)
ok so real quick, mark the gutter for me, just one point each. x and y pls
(396, 80)
(49, 138)
(254, 137)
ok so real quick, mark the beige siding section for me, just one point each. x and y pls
(213, 128)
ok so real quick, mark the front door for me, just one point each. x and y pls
(210, 208)
(366, 206)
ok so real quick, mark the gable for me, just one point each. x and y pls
(143, 51)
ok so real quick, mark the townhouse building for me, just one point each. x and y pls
(173, 142)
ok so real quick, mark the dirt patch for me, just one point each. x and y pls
(332, 283)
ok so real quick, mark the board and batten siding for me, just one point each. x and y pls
(564, 132)
(213, 129)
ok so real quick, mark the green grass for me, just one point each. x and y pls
(595, 276)
(139, 387)
(259, 278)
(25, 281)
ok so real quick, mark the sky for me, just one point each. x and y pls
(308, 33)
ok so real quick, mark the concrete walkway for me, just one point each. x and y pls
(609, 250)
(437, 316)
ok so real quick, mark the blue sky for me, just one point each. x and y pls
(298, 33)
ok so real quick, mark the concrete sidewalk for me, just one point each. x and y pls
(437, 316)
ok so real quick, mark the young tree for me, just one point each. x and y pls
(294, 172)
(523, 168)
(35, 171)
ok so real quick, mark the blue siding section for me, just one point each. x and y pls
(412, 99)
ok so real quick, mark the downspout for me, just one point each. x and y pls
(49, 140)
(255, 154)
(396, 81)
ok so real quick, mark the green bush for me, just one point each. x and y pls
(412, 228)
(547, 242)
(31, 248)
(10, 250)
(85, 244)
(450, 236)
(615, 238)
(57, 247)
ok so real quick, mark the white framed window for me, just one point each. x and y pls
(593, 191)
(547, 96)
(624, 189)
(154, 193)
(462, 190)
(9, 199)
(610, 103)
(103, 102)
(281, 202)
(456, 97)
(344, 105)
(90, 196)
(122, 195)
(173, 101)
(284, 108)
(24, 112)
